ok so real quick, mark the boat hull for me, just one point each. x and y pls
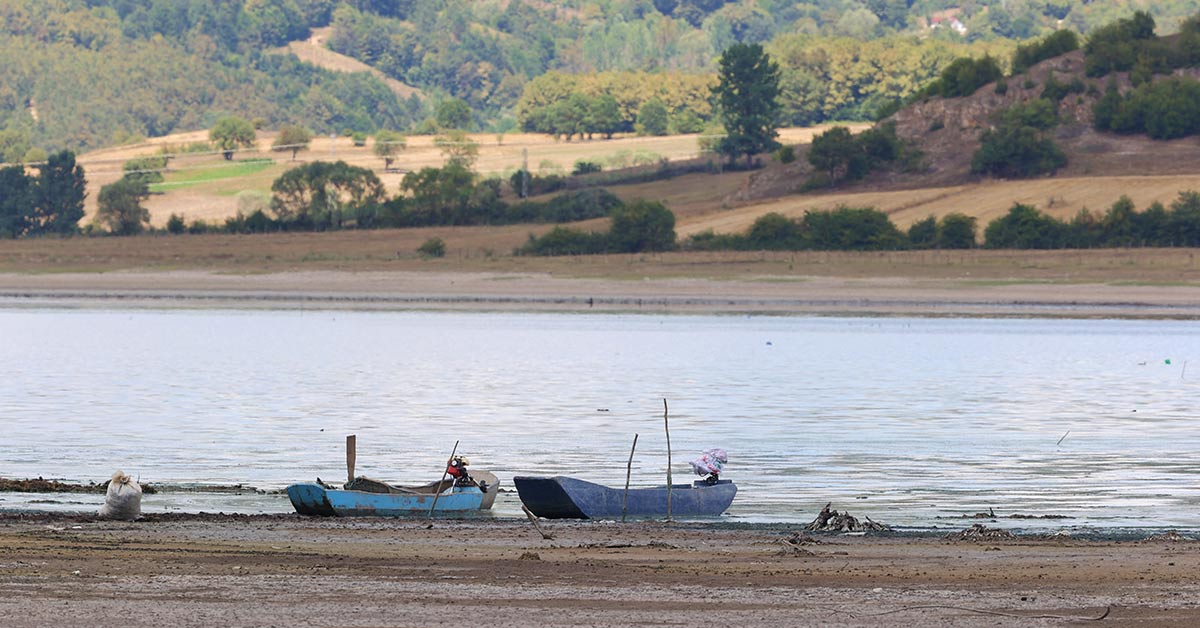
(310, 498)
(563, 497)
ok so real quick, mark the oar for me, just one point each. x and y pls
(667, 427)
(444, 472)
(628, 472)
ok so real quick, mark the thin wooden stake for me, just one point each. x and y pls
(444, 472)
(533, 519)
(350, 455)
(667, 427)
(1064, 436)
(628, 472)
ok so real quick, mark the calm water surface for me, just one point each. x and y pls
(904, 420)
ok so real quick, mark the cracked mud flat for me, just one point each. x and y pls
(193, 570)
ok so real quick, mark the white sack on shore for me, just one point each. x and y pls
(123, 500)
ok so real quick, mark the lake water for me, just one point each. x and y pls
(908, 421)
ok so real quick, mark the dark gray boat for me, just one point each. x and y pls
(562, 497)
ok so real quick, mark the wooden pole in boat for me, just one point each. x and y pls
(667, 426)
(628, 472)
(350, 455)
(439, 486)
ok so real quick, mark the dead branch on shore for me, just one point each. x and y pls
(833, 521)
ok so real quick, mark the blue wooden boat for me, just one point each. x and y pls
(563, 497)
(364, 498)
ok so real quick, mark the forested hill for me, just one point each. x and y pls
(85, 73)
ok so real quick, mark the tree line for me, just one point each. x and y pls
(1022, 227)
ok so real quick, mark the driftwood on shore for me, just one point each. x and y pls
(980, 532)
(833, 521)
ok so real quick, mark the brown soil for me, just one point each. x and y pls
(286, 570)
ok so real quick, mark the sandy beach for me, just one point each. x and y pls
(194, 570)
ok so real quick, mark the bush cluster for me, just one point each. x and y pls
(963, 76)
(1163, 110)
(1023, 227)
(637, 227)
(1030, 54)
(1018, 148)
(840, 156)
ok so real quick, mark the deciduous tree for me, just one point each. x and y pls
(231, 133)
(388, 144)
(121, 209)
(292, 138)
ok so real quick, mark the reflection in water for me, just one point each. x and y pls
(901, 419)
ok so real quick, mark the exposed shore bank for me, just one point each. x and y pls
(522, 291)
(286, 570)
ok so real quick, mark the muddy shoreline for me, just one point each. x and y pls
(67, 570)
(534, 292)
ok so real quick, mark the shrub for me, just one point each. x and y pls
(1024, 227)
(586, 167)
(775, 231)
(851, 229)
(1055, 91)
(786, 154)
(433, 247)
(1038, 113)
(845, 157)
(175, 224)
(146, 170)
(1116, 47)
(642, 226)
(965, 75)
(888, 108)
(923, 233)
(956, 231)
(710, 241)
(1167, 109)
(564, 241)
(1057, 43)
(1016, 151)
(566, 207)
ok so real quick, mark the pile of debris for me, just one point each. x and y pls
(1170, 536)
(834, 521)
(980, 532)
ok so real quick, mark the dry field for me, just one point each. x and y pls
(198, 188)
